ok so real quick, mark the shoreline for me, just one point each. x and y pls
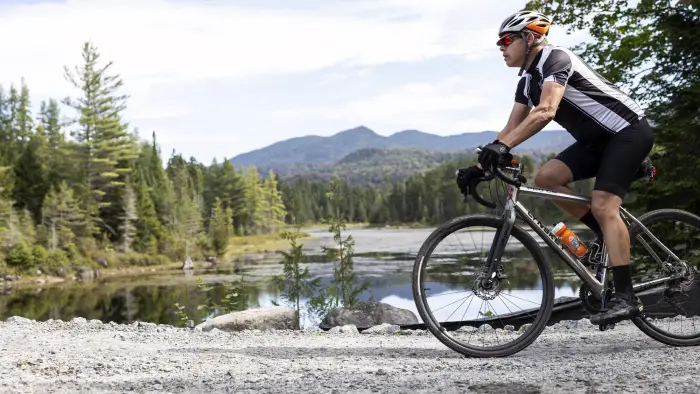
(249, 248)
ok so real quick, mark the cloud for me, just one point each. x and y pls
(159, 41)
(428, 106)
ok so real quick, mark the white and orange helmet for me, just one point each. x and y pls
(526, 21)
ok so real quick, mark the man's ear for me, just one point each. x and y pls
(530, 39)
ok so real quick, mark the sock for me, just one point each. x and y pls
(589, 220)
(622, 279)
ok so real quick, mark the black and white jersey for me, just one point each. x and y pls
(592, 108)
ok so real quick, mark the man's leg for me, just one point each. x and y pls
(619, 164)
(572, 164)
(606, 208)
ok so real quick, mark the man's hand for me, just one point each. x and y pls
(493, 154)
(465, 176)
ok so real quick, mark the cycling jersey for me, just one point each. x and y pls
(592, 108)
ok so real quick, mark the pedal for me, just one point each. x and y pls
(605, 327)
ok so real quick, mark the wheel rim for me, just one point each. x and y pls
(452, 291)
(671, 310)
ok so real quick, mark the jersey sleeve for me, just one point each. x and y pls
(520, 92)
(557, 68)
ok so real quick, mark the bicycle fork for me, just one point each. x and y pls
(493, 260)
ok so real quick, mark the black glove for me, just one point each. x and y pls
(494, 154)
(465, 176)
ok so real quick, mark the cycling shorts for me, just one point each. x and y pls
(614, 161)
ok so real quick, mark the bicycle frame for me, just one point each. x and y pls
(597, 285)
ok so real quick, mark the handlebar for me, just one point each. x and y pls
(489, 175)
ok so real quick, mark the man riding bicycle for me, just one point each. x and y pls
(613, 139)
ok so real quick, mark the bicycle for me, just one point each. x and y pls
(678, 274)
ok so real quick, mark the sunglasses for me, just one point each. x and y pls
(507, 40)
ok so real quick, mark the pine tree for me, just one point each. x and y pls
(129, 217)
(104, 146)
(273, 207)
(232, 191)
(220, 228)
(254, 219)
(187, 217)
(61, 216)
(23, 122)
(31, 183)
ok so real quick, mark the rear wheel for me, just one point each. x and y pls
(445, 281)
(671, 312)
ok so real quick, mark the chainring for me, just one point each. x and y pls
(589, 301)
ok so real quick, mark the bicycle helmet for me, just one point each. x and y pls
(525, 22)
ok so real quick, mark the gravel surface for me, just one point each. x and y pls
(89, 356)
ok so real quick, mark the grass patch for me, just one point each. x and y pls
(258, 244)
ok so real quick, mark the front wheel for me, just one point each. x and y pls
(510, 309)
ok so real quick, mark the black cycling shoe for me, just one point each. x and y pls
(619, 307)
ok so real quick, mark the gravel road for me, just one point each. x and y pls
(571, 357)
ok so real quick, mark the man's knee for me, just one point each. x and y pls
(554, 173)
(605, 206)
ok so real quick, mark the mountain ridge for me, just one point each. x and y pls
(315, 149)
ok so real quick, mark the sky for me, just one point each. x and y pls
(217, 78)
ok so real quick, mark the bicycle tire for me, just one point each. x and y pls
(528, 241)
(646, 219)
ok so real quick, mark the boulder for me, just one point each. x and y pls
(274, 318)
(187, 264)
(85, 273)
(366, 314)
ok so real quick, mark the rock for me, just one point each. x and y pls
(366, 314)
(18, 320)
(276, 318)
(87, 273)
(38, 272)
(382, 329)
(8, 278)
(349, 329)
(187, 264)
(78, 320)
(146, 325)
(61, 272)
(102, 262)
(39, 281)
(524, 327)
(211, 259)
(95, 321)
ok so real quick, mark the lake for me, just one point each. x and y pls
(384, 258)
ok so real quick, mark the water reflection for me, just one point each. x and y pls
(151, 297)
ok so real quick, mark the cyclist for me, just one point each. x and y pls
(612, 140)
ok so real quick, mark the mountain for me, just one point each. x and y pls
(360, 155)
(372, 165)
(328, 150)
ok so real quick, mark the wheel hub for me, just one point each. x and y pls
(486, 288)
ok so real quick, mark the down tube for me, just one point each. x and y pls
(575, 265)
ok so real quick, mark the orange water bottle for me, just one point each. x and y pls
(570, 239)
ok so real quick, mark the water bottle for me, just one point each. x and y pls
(568, 238)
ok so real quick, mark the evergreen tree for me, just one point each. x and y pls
(31, 181)
(220, 228)
(104, 144)
(130, 216)
(61, 216)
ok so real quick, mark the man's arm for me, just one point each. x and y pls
(552, 92)
(517, 116)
